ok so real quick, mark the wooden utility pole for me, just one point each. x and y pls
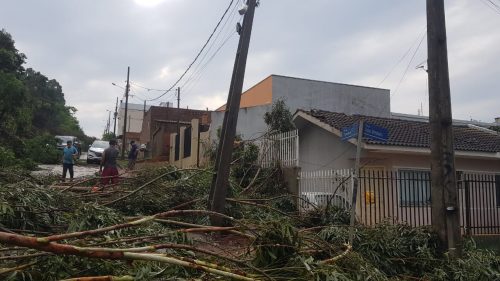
(114, 118)
(127, 88)
(445, 212)
(220, 180)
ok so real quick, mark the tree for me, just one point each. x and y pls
(279, 120)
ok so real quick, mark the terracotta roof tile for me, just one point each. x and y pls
(413, 133)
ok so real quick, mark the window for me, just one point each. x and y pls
(414, 187)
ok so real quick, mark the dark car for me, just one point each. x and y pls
(95, 151)
(63, 140)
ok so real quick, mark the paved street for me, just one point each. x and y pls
(80, 170)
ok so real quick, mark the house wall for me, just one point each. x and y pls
(260, 94)
(135, 115)
(394, 161)
(250, 122)
(349, 99)
(159, 122)
(302, 94)
(321, 150)
(198, 149)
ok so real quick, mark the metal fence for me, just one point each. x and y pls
(318, 188)
(282, 149)
(404, 196)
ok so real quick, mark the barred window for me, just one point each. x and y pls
(414, 187)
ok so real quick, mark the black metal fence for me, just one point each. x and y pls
(404, 196)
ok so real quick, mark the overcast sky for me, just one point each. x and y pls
(87, 45)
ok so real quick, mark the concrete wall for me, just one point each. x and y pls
(260, 94)
(350, 99)
(250, 122)
(135, 115)
(321, 150)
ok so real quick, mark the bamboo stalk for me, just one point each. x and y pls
(17, 268)
(52, 247)
(102, 278)
(336, 258)
(128, 224)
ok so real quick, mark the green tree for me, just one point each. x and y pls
(14, 113)
(31, 105)
(279, 120)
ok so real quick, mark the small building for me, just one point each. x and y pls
(159, 122)
(190, 148)
(395, 180)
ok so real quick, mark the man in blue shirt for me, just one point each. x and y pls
(69, 155)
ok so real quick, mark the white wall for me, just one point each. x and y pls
(250, 122)
(135, 114)
(321, 150)
(349, 99)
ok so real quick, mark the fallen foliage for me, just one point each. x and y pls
(154, 226)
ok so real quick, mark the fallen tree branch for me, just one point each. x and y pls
(52, 247)
(135, 223)
(146, 184)
(17, 268)
(102, 278)
(336, 258)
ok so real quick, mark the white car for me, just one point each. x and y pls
(95, 151)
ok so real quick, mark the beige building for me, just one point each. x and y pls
(192, 148)
(395, 180)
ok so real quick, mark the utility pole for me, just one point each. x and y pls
(220, 179)
(115, 116)
(445, 212)
(356, 180)
(127, 88)
(108, 124)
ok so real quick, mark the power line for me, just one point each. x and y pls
(495, 7)
(199, 73)
(401, 59)
(199, 53)
(197, 69)
(409, 64)
(146, 88)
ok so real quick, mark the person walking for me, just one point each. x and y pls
(108, 161)
(132, 155)
(68, 159)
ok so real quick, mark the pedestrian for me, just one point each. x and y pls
(108, 161)
(132, 155)
(68, 159)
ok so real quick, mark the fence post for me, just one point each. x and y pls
(467, 209)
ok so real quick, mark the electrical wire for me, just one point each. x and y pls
(401, 59)
(409, 64)
(199, 53)
(200, 73)
(493, 6)
(197, 68)
(146, 88)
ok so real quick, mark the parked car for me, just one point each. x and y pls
(62, 141)
(95, 151)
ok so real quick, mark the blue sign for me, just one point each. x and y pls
(350, 132)
(375, 132)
